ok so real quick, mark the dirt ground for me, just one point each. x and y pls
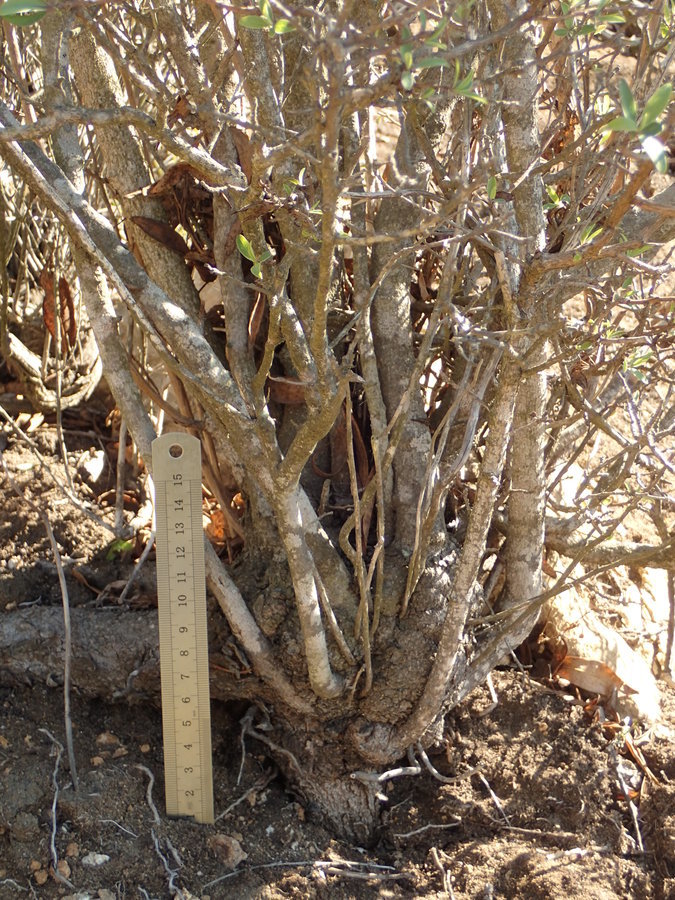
(538, 808)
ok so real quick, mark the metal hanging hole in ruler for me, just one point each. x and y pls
(183, 640)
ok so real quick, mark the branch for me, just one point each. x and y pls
(204, 165)
(616, 553)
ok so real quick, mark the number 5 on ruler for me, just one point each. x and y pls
(183, 642)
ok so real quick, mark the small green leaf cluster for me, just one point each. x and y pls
(636, 362)
(554, 201)
(647, 126)
(118, 548)
(290, 184)
(266, 21)
(23, 12)
(412, 63)
(579, 23)
(247, 251)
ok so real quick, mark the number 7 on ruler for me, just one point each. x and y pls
(183, 640)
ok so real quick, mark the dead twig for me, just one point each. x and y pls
(148, 793)
(342, 867)
(430, 827)
(55, 782)
(445, 875)
(134, 575)
(259, 785)
(67, 631)
(495, 799)
(174, 890)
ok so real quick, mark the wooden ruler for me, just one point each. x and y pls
(183, 643)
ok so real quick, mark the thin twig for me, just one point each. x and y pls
(444, 779)
(259, 785)
(67, 650)
(495, 799)
(55, 798)
(626, 793)
(174, 890)
(429, 827)
(445, 875)
(117, 825)
(77, 503)
(119, 480)
(143, 557)
(67, 631)
(338, 866)
(148, 793)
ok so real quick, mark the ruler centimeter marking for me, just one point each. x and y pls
(183, 640)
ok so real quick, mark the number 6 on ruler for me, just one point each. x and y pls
(183, 641)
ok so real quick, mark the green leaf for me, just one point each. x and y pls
(492, 187)
(590, 232)
(23, 12)
(283, 26)
(628, 104)
(256, 22)
(621, 123)
(656, 104)
(117, 548)
(656, 152)
(266, 9)
(245, 248)
(430, 62)
(464, 85)
(407, 80)
(407, 56)
(638, 251)
(436, 36)
(552, 195)
(265, 256)
(256, 271)
(652, 129)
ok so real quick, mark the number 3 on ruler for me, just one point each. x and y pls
(183, 642)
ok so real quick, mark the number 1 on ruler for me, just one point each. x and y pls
(183, 640)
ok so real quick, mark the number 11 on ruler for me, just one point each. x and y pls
(183, 641)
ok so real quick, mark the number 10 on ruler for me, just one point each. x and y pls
(183, 642)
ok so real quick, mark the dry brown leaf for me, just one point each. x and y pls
(289, 391)
(170, 179)
(68, 323)
(242, 144)
(256, 320)
(216, 528)
(161, 232)
(589, 675)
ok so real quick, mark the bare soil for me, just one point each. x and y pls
(538, 809)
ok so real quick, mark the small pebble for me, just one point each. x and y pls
(95, 859)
